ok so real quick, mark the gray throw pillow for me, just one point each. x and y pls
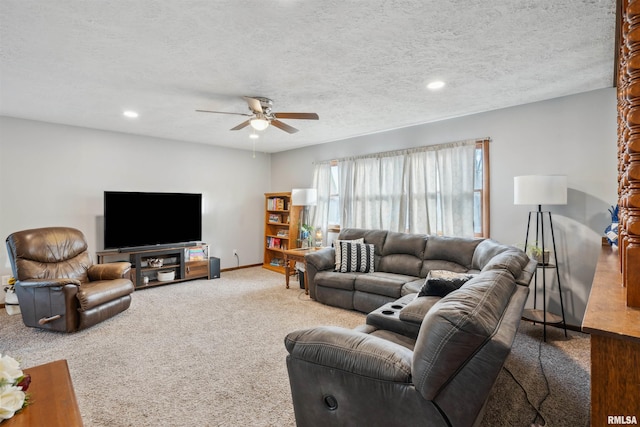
(440, 283)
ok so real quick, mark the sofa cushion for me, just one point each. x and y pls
(401, 264)
(404, 243)
(440, 283)
(402, 253)
(485, 251)
(429, 265)
(93, 294)
(375, 237)
(457, 250)
(337, 244)
(337, 280)
(357, 257)
(412, 287)
(513, 260)
(417, 309)
(382, 283)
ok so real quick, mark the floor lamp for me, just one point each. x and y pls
(542, 190)
(304, 197)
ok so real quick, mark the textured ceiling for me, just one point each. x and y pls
(361, 65)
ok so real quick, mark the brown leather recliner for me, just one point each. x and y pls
(58, 286)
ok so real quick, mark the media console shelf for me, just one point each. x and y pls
(186, 263)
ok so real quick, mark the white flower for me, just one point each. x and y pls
(9, 370)
(11, 401)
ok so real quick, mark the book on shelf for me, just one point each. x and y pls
(273, 242)
(277, 262)
(277, 204)
(196, 254)
(277, 243)
(283, 233)
(275, 218)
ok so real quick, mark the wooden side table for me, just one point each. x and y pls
(53, 400)
(297, 255)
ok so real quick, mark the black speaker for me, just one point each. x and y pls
(214, 268)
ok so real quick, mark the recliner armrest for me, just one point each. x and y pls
(351, 351)
(323, 259)
(109, 271)
(47, 283)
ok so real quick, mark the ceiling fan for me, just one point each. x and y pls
(262, 116)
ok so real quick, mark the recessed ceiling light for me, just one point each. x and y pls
(435, 85)
(130, 114)
(254, 136)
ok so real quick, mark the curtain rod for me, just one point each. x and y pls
(408, 150)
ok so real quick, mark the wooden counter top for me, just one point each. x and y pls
(53, 400)
(607, 312)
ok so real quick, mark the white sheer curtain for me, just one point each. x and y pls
(319, 213)
(371, 191)
(440, 189)
(422, 190)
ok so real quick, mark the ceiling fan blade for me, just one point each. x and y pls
(285, 127)
(224, 112)
(254, 104)
(305, 116)
(242, 125)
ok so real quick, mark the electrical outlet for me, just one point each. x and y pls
(235, 252)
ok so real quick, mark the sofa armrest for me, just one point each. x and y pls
(47, 283)
(527, 273)
(320, 260)
(351, 351)
(323, 259)
(417, 309)
(109, 271)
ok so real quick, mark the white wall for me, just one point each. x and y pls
(55, 175)
(573, 135)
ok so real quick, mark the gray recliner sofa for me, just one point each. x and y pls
(418, 360)
(402, 262)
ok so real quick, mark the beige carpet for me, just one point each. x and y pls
(211, 353)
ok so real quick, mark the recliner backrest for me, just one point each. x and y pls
(456, 327)
(448, 253)
(48, 253)
(402, 253)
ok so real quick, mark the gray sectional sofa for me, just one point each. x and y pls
(418, 360)
(402, 262)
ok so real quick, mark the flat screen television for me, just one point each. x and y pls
(141, 219)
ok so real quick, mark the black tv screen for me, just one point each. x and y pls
(137, 219)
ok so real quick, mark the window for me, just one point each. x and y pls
(481, 190)
(434, 190)
(334, 199)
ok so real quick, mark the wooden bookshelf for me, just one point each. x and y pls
(280, 229)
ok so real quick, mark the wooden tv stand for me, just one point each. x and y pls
(187, 263)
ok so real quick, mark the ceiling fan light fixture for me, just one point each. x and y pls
(435, 85)
(259, 123)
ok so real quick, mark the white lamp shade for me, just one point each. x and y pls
(304, 197)
(540, 190)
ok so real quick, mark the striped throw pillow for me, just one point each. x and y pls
(337, 244)
(357, 257)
